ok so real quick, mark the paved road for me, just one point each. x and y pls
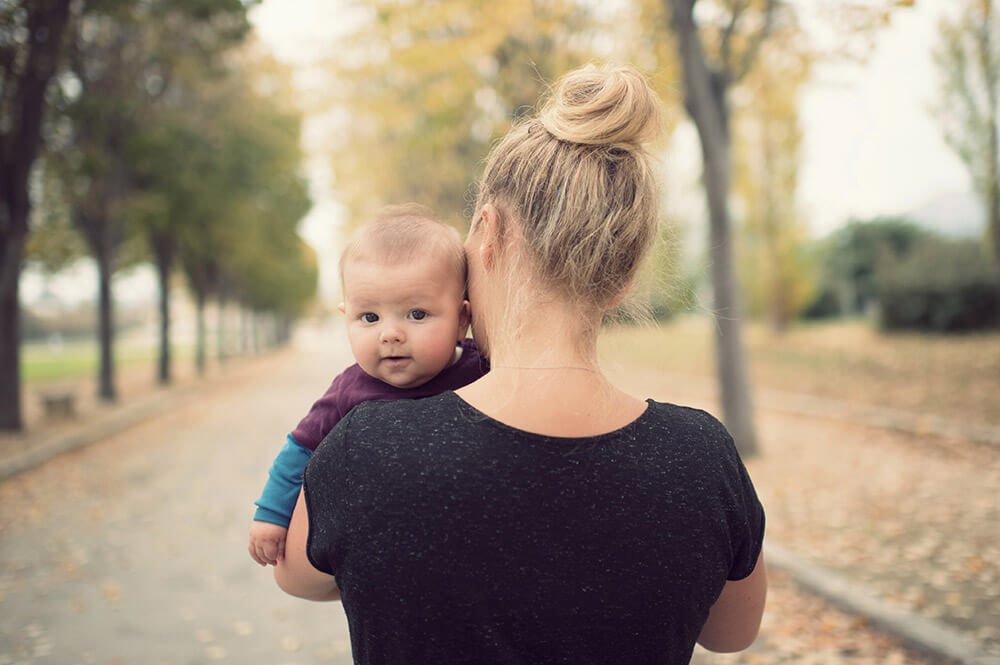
(133, 551)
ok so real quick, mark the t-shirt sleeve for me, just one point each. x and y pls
(746, 519)
(325, 487)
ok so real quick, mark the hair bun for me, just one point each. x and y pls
(602, 105)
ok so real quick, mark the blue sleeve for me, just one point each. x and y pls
(281, 491)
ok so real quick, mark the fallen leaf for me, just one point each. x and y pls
(112, 592)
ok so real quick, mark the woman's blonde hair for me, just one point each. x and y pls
(579, 183)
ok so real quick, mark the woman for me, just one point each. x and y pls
(540, 515)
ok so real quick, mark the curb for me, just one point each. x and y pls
(120, 417)
(114, 422)
(926, 636)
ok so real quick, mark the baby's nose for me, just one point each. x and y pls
(391, 334)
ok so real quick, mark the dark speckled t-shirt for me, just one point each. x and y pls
(458, 539)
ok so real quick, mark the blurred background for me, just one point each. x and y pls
(179, 175)
(188, 164)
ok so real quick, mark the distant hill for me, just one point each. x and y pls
(955, 215)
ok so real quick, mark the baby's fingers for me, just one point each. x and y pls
(252, 548)
(269, 551)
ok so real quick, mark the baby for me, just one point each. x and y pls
(403, 278)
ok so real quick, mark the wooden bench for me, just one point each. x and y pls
(59, 404)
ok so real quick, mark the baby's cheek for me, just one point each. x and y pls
(441, 350)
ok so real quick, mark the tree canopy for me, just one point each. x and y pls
(167, 141)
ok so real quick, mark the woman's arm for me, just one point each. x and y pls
(295, 574)
(734, 620)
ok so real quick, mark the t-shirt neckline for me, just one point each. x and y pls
(594, 438)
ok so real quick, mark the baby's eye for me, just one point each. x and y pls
(369, 317)
(417, 314)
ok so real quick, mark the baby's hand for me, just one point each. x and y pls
(267, 542)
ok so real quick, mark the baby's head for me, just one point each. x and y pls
(403, 278)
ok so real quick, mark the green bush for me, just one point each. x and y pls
(940, 285)
(825, 304)
(849, 259)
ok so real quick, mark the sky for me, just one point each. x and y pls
(871, 145)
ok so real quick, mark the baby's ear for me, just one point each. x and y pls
(341, 308)
(464, 318)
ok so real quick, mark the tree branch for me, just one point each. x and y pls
(704, 86)
(738, 8)
(750, 54)
(984, 41)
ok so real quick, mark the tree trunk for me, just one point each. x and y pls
(244, 331)
(285, 330)
(706, 103)
(993, 193)
(19, 144)
(105, 326)
(734, 386)
(993, 209)
(992, 185)
(779, 299)
(220, 330)
(199, 349)
(772, 232)
(254, 332)
(163, 263)
(12, 247)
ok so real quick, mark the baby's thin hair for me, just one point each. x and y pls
(403, 233)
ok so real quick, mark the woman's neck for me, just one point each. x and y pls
(553, 337)
(544, 376)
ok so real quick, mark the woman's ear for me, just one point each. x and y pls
(464, 319)
(620, 298)
(342, 308)
(489, 234)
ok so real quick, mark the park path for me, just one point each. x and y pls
(132, 550)
(909, 518)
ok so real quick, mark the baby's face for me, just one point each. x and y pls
(404, 319)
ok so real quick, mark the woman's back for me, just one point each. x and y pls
(455, 538)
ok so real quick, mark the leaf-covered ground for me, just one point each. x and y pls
(912, 519)
(951, 376)
(800, 629)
